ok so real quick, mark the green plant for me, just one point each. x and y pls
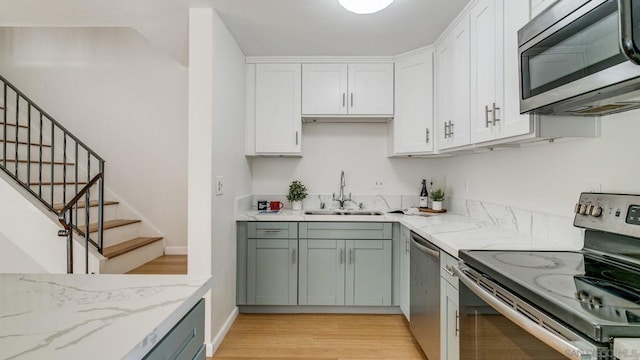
(297, 191)
(437, 195)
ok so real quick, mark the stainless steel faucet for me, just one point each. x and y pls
(342, 199)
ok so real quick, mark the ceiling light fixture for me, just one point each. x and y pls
(365, 6)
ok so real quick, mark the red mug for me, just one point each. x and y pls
(276, 205)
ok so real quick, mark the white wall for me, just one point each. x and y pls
(230, 163)
(124, 99)
(549, 177)
(360, 149)
(216, 130)
(15, 260)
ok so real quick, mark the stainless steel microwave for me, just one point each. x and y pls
(581, 58)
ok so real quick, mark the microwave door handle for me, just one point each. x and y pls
(625, 21)
(568, 347)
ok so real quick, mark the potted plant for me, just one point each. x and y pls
(297, 193)
(437, 197)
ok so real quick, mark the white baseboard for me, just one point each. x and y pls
(217, 340)
(176, 250)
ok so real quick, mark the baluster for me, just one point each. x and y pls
(40, 160)
(4, 127)
(75, 170)
(29, 144)
(64, 169)
(17, 133)
(86, 233)
(100, 206)
(70, 243)
(53, 147)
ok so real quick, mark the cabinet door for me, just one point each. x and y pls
(413, 121)
(449, 327)
(405, 281)
(324, 89)
(322, 268)
(486, 68)
(460, 91)
(370, 89)
(272, 272)
(278, 113)
(368, 274)
(443, 94)
(512, 123)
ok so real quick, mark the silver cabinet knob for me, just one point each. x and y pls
(596, 211)
(583, 209)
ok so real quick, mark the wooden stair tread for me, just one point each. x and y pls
(25, 143)
(48, 183)
(38, 162)
(92, 203)
(129, 245)
(109, 224)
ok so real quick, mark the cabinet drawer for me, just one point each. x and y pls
(272, 230)
(447, 262)
(185, 340)
(345, 230)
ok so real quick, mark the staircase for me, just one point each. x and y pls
(64, 177)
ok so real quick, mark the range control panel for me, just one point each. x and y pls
(614, 213)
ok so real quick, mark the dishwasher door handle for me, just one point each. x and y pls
(423, 245)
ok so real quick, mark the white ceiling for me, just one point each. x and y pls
(323, 27)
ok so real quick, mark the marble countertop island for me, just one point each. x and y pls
(454, 232)
(52, 316)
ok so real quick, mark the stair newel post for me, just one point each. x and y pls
(66, 219)
(100, 205)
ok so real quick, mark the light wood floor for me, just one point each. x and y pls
(168, 264)
(326, 337)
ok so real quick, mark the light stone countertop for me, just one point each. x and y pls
(450, 232)
(59, 316)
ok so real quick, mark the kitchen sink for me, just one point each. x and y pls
(343, 212)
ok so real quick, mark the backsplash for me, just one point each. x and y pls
(313, 201)
(536, 224)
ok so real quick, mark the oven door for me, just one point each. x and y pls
(578, 54)
(495, 324)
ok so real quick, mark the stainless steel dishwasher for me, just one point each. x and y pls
(425, 295)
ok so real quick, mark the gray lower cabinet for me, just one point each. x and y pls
(272, 263)
(345, 264)
(405, 269)
(185, 341)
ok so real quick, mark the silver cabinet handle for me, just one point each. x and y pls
(407, 246)
(351, 259)
(427, 135)
(451, 128)
(449, 270)
(341, 256)
(351, 99)
(446, 133)
(344, 99)
(272, 230)
(293, 257)
(495, 117)
(457, 323)
(296, 138)
(486, 116)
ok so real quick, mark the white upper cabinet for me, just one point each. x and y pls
(277, 109)
(324, 89)
(347, 89)
(453, 88)
(413, 123)
(486, 69)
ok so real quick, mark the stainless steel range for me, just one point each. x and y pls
(557, 304)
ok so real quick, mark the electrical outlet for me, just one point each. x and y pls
(378, 183)
(219, 186)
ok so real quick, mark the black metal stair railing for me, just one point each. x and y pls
(65, 171)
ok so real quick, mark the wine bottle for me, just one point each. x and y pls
(424, 195)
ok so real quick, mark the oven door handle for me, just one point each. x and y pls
(573, 348)
(627, 44)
